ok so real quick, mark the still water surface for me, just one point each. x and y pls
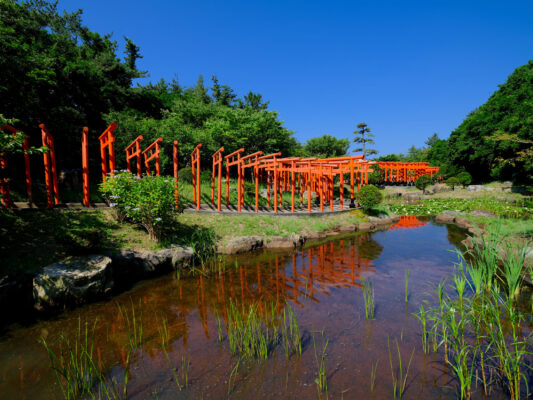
(321, 283)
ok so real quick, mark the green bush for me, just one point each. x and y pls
(464, 178)
(185, 175)
(369, 197)
(453, 182)
(148, 201)
(423, 181)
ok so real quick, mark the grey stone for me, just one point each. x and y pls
(289, 242)
(438, 188)
(313, 195)
(445, 218)
(74, 280)
(412, 197)
(347, 228)
(483, 213)
(475, 188)
(452, 213)
(241, 244)
(316, 235)
(462, 222)
(366, 226)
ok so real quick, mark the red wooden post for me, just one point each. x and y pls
(150, 153)
(134, 150)
(26, 147)
(175, 159)
(4, 184)
(50, 170)
(107, 142)
(85, 165)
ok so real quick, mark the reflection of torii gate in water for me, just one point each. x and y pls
(292, 277)
(407, 222)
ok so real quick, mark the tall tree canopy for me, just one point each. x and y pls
(326, 146)
(363, 137)
(508, 114)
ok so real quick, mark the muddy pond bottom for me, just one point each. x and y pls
(168, 338)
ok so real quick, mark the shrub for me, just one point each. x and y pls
(453, 182)
(185, 175)
(368, 197)
(464, 178)
(148, 201)
(423, 181)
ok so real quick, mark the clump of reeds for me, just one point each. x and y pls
(407, 273)
(254, 332)
(320, 358)
(133, 325)
(74, 365)
(368, 297)
(399, 379)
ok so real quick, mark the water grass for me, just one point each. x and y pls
(320, 358)
(399, 379)
(368, 297)
(74, 365)
(133, 325)
(373, 370)
(406, 279)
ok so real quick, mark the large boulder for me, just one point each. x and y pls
(130, 266)
(366, 227)
(241, 244)
(289, 242)
(483, 213)
(464, 223)
(74, 280)
(475, 188)
(445, 218)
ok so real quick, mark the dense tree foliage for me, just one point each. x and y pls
(509, 111)
(326, 146)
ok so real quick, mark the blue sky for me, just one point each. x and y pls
(408, 69)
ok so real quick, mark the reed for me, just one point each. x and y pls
(132, 324)
(399, 379)
(406, 279)
(373, 370)
(513, 264)
(321, 379)
(422, 317)
(74, 366)
(368, 297)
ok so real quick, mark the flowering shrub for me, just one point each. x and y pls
(148, 201)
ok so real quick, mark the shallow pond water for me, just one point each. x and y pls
(322, 285)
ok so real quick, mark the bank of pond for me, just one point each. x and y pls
(389, 314)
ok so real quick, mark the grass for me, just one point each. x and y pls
(399, 379)
(254, 332)
(368, 297)
(320, 358)
(407, 273)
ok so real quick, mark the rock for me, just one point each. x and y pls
(290, 242)
(507, 184)
(438, 188)
(316, 235)
(445, 218)
(381, 220)
(475, 188)
(241, 244)
(313, 195)
(483, 213)
(74, 280)
(452, 213)
(462, 222)
(412, 197)
(366, 227)
(347, 228)
(264, 193)
(130, 266)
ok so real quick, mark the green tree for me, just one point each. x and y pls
(464, 178)
(422, 182)
(369, 197)
(508, 111)
(326, 146)
(453, 182)
(363, 136)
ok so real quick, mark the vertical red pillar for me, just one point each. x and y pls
(175, 159)
(157, 160)
(85, 165)
(29, 190)
(219, 182)
(47, 173)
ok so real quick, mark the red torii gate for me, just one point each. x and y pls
(50, 170)
(196, 175)
(134, 150)
(217, 163)
(231, 160)
(107, 142)
(150, 153)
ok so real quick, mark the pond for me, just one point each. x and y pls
(321, 284)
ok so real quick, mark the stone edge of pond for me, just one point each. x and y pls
(79, 280)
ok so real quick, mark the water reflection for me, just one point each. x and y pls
(409, 222)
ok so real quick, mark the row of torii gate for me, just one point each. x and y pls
(296, 175)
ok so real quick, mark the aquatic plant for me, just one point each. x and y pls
(321, 379)
(373, 370)
(368, 297)
(132, 324)
(74, 365)
(406, 278)
(399, 379)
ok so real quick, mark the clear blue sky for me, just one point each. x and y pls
(407, 68)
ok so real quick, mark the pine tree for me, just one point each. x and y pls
(364, 137)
